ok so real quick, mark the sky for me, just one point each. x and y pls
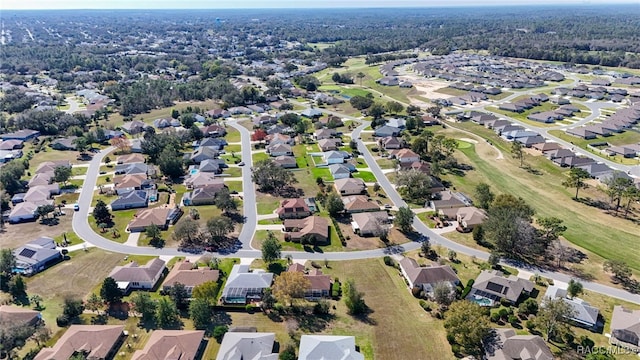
(221, 4)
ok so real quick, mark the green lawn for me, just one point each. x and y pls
(451, 91)
(259, 156)
(79, 170)
(234, 185)
(233, 171)
(68, 198)
(324, 173)
(545, 106)
(232, 149)
(267, 203)
(366, 176)
(121, 219)
(233, 135)
(425, 219)
(72, 238)
(625, 138)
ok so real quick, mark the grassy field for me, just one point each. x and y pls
(451, 91)
(366, 176)
(267, 203)
(259, 156)
(233, 135)
(15, 235)
(588, 227)
(625, 138)
(121, 219)
(234, 185)
(116, 119)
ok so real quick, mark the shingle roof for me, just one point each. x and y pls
(321, 347)
(509, 346)
(428, 275)
(171, 345)
(132, 272)
(184, 273)
(247, 346)
(96, 340)
(495, 283)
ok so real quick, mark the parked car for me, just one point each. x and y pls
(241, 163)
(76, 207)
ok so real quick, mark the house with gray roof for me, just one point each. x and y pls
(132, 168)
(138, 277)
(311, 113)
(584, 315)
(247, 345)
(287, 162)
(65, 143)
(426, 277)
(36, 256)
(339, 171)
(386, 130)
(505, 344)
(131, 200)
(244, 286)
(492, 286)
(625, 328)
(203, 153)
(316, 347)
(204, 195)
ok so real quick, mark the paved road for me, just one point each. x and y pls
(73, 105)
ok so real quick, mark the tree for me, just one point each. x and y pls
(494, 259)
(517, 152)
(179, 296)
(443, 293)
(109, 292)
(175, 114)
(404, 219)
(43, 211)
(200, 313)
(36, 300)
(334, 204)
(576, 179)
(617, 187)
(225, 202)
(61, 174)
(101, 213)
(414, 185)
(153, 232)
(187, 230)
(270, 177)
(17, 287)
(42, 335)
(468, 325)
(94, 303)
(478, 234)
(144, 305)
(166, 313)
(551, 229)
(452, 255)
(7, 262)
(353, 298)
(394, 107)
(170, 162)
(574, 288)
(81, 144)
(72, 308)
(376, 110)
(289, 353)
(268, 300)
(289, 286)
(207, 291)
(553, 317)
(528, 307)
(620, 270)
(484, 196)
(425, 247)
(219, 227)
(360, 102)
(258, 135)
(121, 144)
(271, 248)
(360, 76)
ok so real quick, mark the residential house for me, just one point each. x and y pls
(287, 162)
(504, 344)
(203, 195)
(329, 144)
(99, 342)
(135, 146)
(332, 121)
(130, 158)
(625, 328)
(339, 171)
(214, 166)
(492, 286)
(293, 209)
(245, 286)
(405, 156)
(584, 315)
(50, 166)
(334, 157)
(388, 81)
(448, 200)
(369, 223)
(203, 153)
(317, 347)
(392, 142)
(161, 123)
(172, 344)
(319, 283)
(386, 130)
(134, 127)
(162, 217)
(622, 151)
(201, 179)
(189, 275)
(36, 256)
(247, 345)
(543, 147)
(218, 113)
(279, 150)
(131, 200)
(26, 211)
(278, 138)
(214, 142)
(214, 130)
(44, 178)
(19, 315)
(135, 277)
(11, 144)
(469, 217)
(311, 113)
(359, 203)
(126, 183)
(325, 134)
(422, 166)
(529, 141)
(313, 229)
(65, 143)
(426, 278)
(22, 135)
(350, 186)
(132, 168)
(397, 123)
(596, 170)
(574, 161)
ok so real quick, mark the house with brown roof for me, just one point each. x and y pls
(405, 156)
(203, 195)
(201, 179)
(93, 341)
(625, 328)
(127, 183)
(285, 161)
(331, 121)
(427, 277)
(50, 166)
(279, 150)
(321, 134)
(350, 186)
(133, 276)
(130, 159)
(162, 217)
(504, 344)
(369, 224)
(18, 315)
(189, 275)
(172, 344)
(293, 209)
(359, 203)
(309, 228)
(392, 142)
(492, 286)
(329, 144)
(448, 200)
(546, 146)
(469, 217)
(320, 284)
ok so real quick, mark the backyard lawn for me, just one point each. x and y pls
(366, 176)
(233, 135)
(259, 156)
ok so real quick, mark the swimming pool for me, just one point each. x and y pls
(193, 171)
(481, 300)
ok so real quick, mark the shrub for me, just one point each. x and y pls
(321, 308)
(513, 319)
(335, 289)
(530, 324)
(250, 308)
(451, 338)
(315, 265)
(529, 306)
(415, 291)
(505, 302)
(425, 305)
(62, 320)
(568, 338)
(388, 261)
(219, 331)
(467, 289)
(495, 317)
(503, 313)
(455, 348)
(586, 342)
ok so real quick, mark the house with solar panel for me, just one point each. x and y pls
(36, 256)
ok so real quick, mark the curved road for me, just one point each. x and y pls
(83, 230)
